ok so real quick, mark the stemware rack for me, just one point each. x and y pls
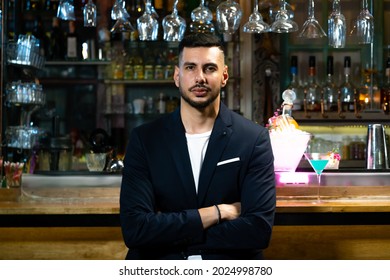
(27, 95)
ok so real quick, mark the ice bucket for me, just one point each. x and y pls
(288, 149)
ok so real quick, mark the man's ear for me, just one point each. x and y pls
(176, 76)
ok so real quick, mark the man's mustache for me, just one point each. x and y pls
(200, 86)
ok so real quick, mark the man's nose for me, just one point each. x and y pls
(200, 78)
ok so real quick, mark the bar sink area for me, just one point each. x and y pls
(71, 188)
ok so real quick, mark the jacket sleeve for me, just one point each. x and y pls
(142, 224)
(252, 230)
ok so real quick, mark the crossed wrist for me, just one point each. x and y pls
(219, 216)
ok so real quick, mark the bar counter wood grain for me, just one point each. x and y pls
(348, 223)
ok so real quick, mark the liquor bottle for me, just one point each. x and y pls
(161, 103)
(51, 5)
(40, 34)
(347, 89)
(312, 90)
(72, 43)
(57, 38)
(295, 86)
(330, 90)
(386, 89)
(33, 5)
(369, 93)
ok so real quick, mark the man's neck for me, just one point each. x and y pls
(197, 121)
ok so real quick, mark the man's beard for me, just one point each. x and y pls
(199, 104)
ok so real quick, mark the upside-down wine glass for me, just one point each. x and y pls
(283, 22)
(311, 28)
(337, 27)
(119, 13)
(365, 25)
(65, 10)
(89, 12)
(256, 23)
(147, 24)
(174, 26)
(229, 14)
(202, 19)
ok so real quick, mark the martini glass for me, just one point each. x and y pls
(311, 28)
(318, 162)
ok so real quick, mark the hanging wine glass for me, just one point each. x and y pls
(283, 23)
(89, 12)
(147, 24)
(65, 10)
(275, 9)
(202, 19)
(119, 10)
(119, 13)
(255, 23)
(174, 26)
(337, 27)
(229, 14)
(311, 28)
(365, 25)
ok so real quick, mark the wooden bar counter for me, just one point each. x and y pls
(68, 222)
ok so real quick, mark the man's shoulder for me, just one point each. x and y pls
(160, 123)
(242, 123)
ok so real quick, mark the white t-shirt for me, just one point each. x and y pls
(197, 147)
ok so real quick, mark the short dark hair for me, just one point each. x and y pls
(197, 40)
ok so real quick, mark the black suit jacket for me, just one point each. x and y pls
(158, 201)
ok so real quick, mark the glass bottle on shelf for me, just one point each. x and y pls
(385, 91)
(330, 90)
(57, 38)
(312, 90)
(369, 93)
(72, 43)
(40, 34)
(294, 84)
(347, 89)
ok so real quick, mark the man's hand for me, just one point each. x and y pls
(230, 211)
(209, 215)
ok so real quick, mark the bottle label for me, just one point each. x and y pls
(72, 47)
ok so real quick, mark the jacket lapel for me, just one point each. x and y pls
(218, 140)
(177, 143)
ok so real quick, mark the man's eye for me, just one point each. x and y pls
(210, 69)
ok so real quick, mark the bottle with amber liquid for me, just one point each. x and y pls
(385, 91)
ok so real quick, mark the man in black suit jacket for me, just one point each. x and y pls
(198, 183)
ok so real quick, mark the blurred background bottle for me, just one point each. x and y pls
(330, 91)
(347, 89)
(369, 93)
(312, 89)
(73, 46)
(385, 92)
(294, 84)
